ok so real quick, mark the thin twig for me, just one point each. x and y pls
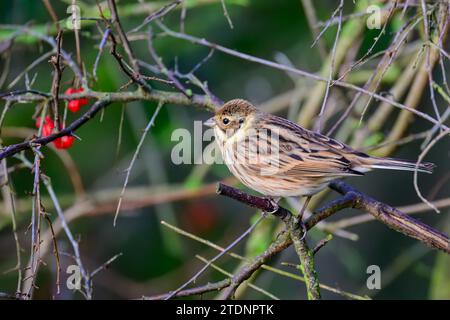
(133, 159)
(419, 160)
(100, 50)
(274, 65)
(311, 17)
(156, 15)
(228, 248)
(56, 61)
(263, 266)
(322, 243)
(332, 66)
(106, 264)
(251, 285)
(65, 226)
(226, 14)
(115, 20)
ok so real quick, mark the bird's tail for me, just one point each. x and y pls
(398, 164)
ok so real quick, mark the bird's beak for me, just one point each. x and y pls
(210, 122)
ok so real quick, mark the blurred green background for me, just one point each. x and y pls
(155, 259)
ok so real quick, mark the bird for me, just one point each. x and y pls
(278, 158)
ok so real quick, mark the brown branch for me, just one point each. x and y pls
(122, 35)
(52, 13)
(246, 272)
(105, 99)
(217, 286)
(218, 256)
(307, 265)
(351, 198)
(264, 266)
(294, 234)
(157, 14)
(409, 209)
(197, 100)
(134, 76)
(57, 74)
(64, 155)
(15, 148)
(392, 217)
(322, 243)
(264, 204)
(163, 69)
(396, 219)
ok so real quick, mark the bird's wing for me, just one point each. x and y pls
(303, 152)
(315, 162)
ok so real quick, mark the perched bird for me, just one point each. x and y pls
(278, 158)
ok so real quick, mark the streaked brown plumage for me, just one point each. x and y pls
(253, 142)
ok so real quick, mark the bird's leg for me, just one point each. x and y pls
(274, 203)
(300, 216)
(305, 205)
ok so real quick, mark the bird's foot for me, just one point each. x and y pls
(299, 224)
(304, 230)
(274, 204)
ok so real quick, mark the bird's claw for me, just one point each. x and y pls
(299, 224)
(275, 206)
(302, 225)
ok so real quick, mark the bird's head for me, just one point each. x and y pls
(233, 117)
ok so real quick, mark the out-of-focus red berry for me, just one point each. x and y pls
(48, 126)
(201, 217)
(70, 91)
(47, 130)
(64, 142)
(74, 105)
(47, 120)
(83, 101)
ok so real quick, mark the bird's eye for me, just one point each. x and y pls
(241, 121)
(226, 121)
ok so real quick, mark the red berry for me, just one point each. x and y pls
(47, 130)
(48, 126)
(70, 91)
(74, 105)
(64, 142)
(200, 217)
(38, 122)
(47, 120)
(82, 101)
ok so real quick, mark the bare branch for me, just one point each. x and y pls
(274, 65)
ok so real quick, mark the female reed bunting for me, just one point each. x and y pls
(279, 158)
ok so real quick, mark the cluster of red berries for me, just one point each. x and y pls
(76, 104)
(64, 142)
